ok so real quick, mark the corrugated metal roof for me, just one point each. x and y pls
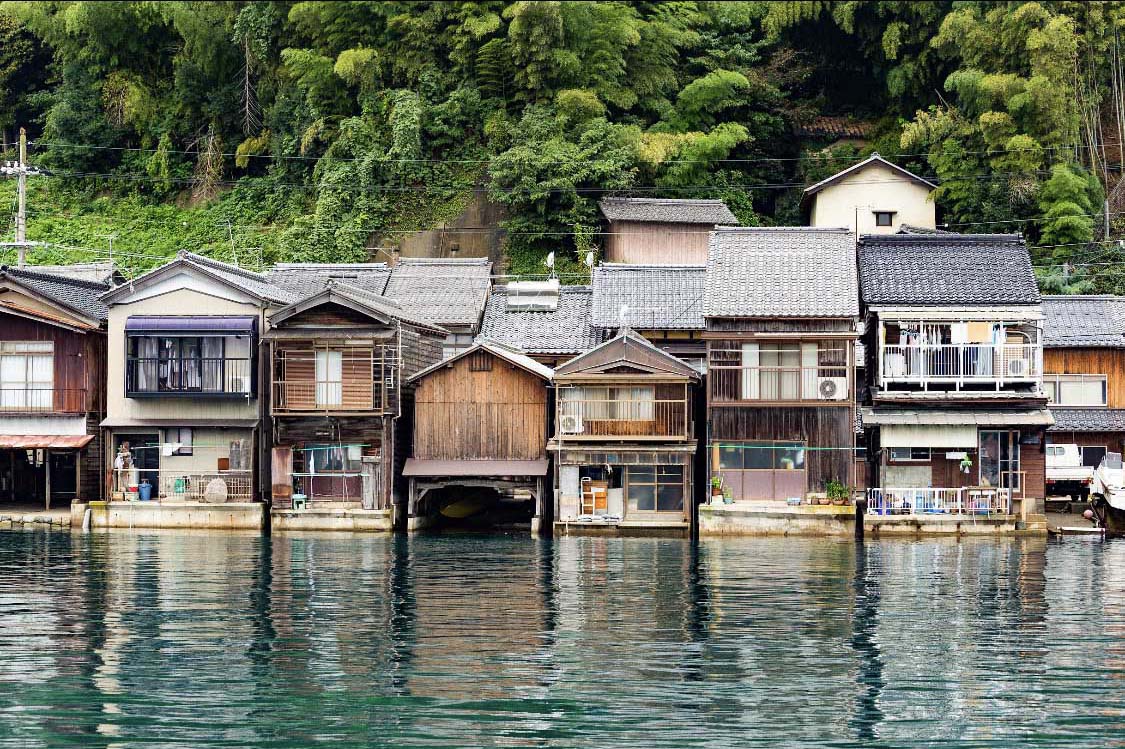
(982, 417)
(668, 210)
(781, 272)
(1084, 321)
(946, 270)
(446, 291)
(567, 329)
(657, 297)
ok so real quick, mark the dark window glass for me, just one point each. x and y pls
(730, 456)
(670, 497)
(758, 456)
(790, 456)
(643, 495)
(884, 218)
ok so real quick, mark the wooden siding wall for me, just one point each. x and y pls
(819, 427)
(1113, 442)
(647, 242)
(79, 362)
(1110, 362)
(360, 372)
(499, 414)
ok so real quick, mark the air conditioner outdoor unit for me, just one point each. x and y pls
(571, 424)
(832, 388)
(1018, 367)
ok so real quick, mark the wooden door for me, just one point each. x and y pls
(282, 472)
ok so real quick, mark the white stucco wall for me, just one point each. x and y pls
(204, 299)
(865, 191)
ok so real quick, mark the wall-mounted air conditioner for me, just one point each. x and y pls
(571, 424)
(832, 388)
(1018, 367)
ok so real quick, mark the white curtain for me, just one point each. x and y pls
(329, 378)
(147, 349)
(809, 371)
(213, 365)
(13, 382)
(751, 383)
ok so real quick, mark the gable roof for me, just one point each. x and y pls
(103, 272)
(361, 300)
(503, 352)
(627, 349)
(921, 270)
(567, 329)
(447, 291)
(80, 297)
(660, 297)
(308, 278)
(1084, 321)
(247, 281)
(781, 272)
(874, 158)
(667, 210)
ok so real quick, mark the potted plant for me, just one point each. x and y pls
(837, 492)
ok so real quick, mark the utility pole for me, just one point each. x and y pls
(21, 169)
(1105, 214)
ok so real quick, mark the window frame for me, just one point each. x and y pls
(656, 484)
(1052, 388)
(163, 358)
(890, 218)
(28, 351)
(929, 455)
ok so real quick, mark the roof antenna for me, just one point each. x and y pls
(623, 318)
(550, 263)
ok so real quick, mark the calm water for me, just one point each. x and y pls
(237, 641)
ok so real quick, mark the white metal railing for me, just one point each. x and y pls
(939, 501)
(962, 362)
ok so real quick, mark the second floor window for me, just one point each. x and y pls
(609, 403)
(779, 371)
(189, 364)
(27, 374)
(1075, 389)
(329, 377)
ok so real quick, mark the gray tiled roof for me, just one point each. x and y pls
(1080, 321)
(946, 270)
(668, 210)
(1088, 419)
(781, 272)
(448, 292)
(79, 296)
(305, 279)
(97, 272)
(568, 329)
(659, 297)
(380, 303)
(254, 283)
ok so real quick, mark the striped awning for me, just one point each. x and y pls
(37, 441)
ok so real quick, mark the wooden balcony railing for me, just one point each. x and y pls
(328, 396)
(988, 363)
(627, 419)
(25, 399)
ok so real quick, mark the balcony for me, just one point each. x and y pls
(333, 379)
(34, 399)
(328, 397)
(825, 385)
(624, 418)
(147, 377)
(930, 501)
(959, 364)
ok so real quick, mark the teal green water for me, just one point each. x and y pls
(237, 641)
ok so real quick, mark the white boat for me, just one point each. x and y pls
(1108, 494)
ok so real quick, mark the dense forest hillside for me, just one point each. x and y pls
(262, 131)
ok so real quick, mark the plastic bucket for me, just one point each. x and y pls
(145, 491)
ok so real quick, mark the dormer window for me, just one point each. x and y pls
(884, 218)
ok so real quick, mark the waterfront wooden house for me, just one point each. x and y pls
(185, 394)
(338, 361)
(542, 319)
(782, 308)
(661, 231)
(1084, 373)
(624, 439)
(480, 422)
(957, 416)
(52, 386)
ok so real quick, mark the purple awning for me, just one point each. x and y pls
(190, 324)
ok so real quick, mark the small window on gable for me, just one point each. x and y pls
(884, 218)
(480, 361)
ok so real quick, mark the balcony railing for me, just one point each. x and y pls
(962, 363)
(23, 399)
(179, 486)
(737, 383)
(647, 418)
(188, 376)
(930, 501)
(328, 396)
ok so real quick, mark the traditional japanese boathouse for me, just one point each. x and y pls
(480, 423)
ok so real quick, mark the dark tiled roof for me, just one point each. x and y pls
(833, 127)
(1088, 419)
(80, 296)
(658, 297)
(946, 270)
(97, 272)
(1081, 321)
(781, 272)
(305, 279)
(253, 283)
(668, 210)
(568, 329)
(448, 292)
